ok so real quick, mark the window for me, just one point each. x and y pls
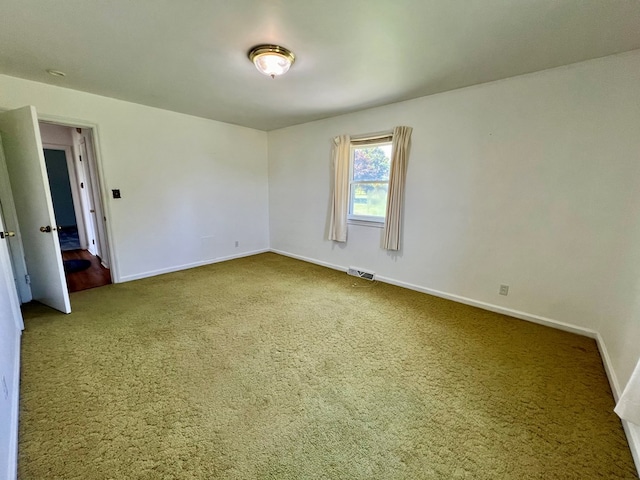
(365, 179)
(369, 168)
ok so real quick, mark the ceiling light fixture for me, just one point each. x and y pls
(56, 73)
(272, 60)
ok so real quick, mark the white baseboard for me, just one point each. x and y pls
(457, 298)
(309, 260)
(608, 368)
(549, 322)
(12, 468)
(186, 266)
(632, 432)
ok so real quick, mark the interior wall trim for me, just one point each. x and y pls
(12, 468)
(98, 160)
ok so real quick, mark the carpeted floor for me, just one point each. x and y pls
(271, 368)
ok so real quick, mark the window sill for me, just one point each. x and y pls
(365, 223)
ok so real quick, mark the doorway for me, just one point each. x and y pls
(77, 204)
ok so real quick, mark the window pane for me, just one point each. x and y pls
(371, 163)
(369, 199)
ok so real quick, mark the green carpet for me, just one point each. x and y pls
(270, 368)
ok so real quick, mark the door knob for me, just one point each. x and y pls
(45, 229)
(7, 234)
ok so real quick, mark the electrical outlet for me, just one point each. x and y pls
(504, 290)
(5, 389)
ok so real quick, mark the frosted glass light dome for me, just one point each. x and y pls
(271, 60)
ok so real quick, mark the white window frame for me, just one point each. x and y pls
(366, 220)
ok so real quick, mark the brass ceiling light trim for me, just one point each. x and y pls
(271, 60)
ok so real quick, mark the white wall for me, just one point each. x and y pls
(190, 187)
(530, 181)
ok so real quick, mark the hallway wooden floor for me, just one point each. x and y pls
(95, 276)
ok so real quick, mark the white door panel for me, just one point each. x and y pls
(9, 303)
(32, 198)
(10, 327)
(14, 243)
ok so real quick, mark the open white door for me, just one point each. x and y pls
(32, 198)
(9, 303)
(91, 220)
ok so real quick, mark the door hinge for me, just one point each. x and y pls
(93, 241)
(80, 157)
(27, 279)
(81, 184)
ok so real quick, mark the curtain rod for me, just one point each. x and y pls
(372, 136)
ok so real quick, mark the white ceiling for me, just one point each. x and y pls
(191, 55)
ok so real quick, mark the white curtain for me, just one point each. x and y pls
(628, 407)
(340, 201)
(397, 178)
